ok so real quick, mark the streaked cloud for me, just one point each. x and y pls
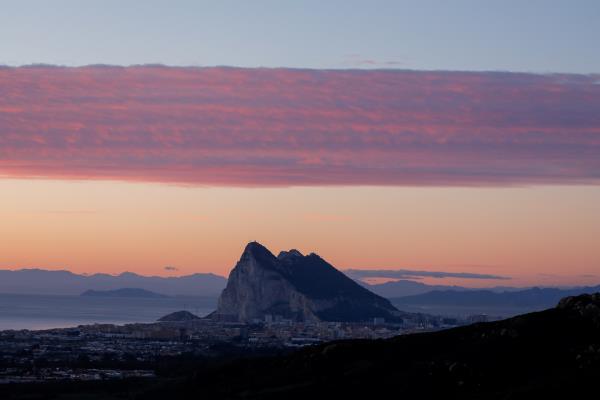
(412, 274)
(289, 127)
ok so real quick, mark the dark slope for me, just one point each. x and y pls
(552, 354)
(545, 355)
(316, 278)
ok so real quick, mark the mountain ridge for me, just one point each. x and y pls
(536, 296)
(62, 282)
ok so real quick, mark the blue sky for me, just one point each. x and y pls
(533, 36)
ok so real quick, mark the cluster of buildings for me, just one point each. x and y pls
(106, 351)
(17, 375)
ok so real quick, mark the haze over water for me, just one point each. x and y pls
(50, 311)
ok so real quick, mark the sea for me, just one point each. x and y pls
(455, 311)
(35, 312)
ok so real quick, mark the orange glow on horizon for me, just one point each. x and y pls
(536, 235)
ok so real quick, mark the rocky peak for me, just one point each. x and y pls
(255, 249)
(258, 254)
(287, 254)
(296, 287)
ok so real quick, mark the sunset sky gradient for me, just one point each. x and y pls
(112, 169)
(159, 137)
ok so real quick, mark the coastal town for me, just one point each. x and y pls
(270, 306)
(106, 351)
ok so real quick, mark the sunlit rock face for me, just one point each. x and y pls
(296, 287)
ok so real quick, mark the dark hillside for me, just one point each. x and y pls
(546, 354)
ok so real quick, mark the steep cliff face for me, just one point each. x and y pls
(304, 288)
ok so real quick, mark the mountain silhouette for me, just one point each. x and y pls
(40, 281)
(298, 287)
(539, 298)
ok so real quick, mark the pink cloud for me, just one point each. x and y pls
(266, 127)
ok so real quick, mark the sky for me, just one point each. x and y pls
(507, 35)
(457, 137)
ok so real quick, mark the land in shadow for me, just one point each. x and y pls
(552, 353)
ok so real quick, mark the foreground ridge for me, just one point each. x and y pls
(549, 354)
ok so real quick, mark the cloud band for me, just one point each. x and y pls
(286, 127)
(407, 274)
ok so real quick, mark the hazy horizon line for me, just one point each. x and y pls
(400, 274)
(294, 68)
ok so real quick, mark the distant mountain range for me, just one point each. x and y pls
(528, 298)
(406, 295)
(404, 287)
(499, 301)
(39, 281)
(125, 292)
